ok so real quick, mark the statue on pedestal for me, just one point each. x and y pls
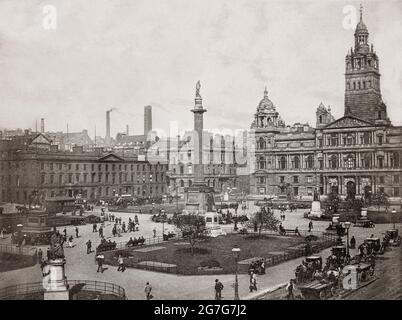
(316, 196)
(56, 246)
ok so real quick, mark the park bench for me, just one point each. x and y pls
(289, 232)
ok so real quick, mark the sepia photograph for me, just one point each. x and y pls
(197, 150)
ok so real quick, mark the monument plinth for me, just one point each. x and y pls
(56, 287)
(54, 277)
(315, 211)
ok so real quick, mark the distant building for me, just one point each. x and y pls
(66, 141)
(31, 165)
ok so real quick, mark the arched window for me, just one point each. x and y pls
(181, 169)
(261, 163)
(282, 162)
(320, 121)
(181, 183)
(333, 162)
(310, 162)
(296, 162)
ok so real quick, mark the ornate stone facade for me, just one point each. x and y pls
(356, 154)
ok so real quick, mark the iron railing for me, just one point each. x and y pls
(21, 291)
(21, 250)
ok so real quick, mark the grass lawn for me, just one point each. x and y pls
(10, 261)
(217, 249)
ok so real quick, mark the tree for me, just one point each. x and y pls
(381, 200)
(192, 227)
(264, 219)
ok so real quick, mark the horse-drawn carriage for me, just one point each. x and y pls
(374, 246)
(365, 271)
(392, 238)
(338, 257)
(307, 269)
(160, 217)
(318, 289)
(364, 223)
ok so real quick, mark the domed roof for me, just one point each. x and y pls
(361, 26)
(265, 103)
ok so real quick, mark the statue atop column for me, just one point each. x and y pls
(197, 88)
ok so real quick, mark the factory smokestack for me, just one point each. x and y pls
(107, 138)
(127, 130)
(147, 119)
(42, 125)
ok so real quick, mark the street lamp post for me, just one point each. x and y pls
(393, 217)
(236, 254)
(347, 226)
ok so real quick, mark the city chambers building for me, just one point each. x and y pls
(357, 154)
(31, 166)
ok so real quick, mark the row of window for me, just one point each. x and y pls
(282, 162)
(106, 166)
(98, 178)
(107, 191)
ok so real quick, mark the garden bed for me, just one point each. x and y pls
(212, 254)
(10, 261)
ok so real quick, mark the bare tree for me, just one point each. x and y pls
(264, 219)
(192, 227)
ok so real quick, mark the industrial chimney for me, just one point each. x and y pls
(42, 125)
(107, 138)
(147, 119)
(127, 130)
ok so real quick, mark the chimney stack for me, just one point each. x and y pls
(147, 119)
(42, 125)
(127, 132)
(107, 138)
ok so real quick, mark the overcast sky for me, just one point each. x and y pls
(130, 53)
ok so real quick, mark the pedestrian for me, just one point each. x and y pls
(99, 260)
(100, 232)
(76, 232)
(70, 242)
(2, 230)
(352, 242)
(40, 255)
(154, 233)
(94, 227)
(114, 232)
(121, 266)
(289, 289)
(89, 246)
(218, 289)
(148, 289)
(65, 232)
(136, 218)
(297, 232)
(254, 281)
(310, 226)
(48, 254)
